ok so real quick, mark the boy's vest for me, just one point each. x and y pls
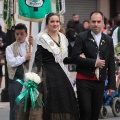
(15, 48)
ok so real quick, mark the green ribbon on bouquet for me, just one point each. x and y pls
(30, 90)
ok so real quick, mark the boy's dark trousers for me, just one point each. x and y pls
(14, 89)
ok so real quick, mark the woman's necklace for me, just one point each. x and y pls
(58, 43)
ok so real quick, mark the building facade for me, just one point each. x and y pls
(84, 7)
(81, 7)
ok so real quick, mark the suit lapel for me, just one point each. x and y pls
(102, 41)
(91, 38)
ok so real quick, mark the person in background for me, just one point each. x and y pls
(108, 27)
(114, 24)
(118, 82)
(2, 51)
(86, 25)
(116, 41)
(78, 26)
(62, 30)
(71, 36)
(116, 32)
(17, 56)
(93, 53)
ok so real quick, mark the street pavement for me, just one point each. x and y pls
(110, 116)
(4, 107)
(4, 112)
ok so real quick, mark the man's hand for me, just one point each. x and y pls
(82, 55)
(30, 40)
(100, 63)
(28, 56)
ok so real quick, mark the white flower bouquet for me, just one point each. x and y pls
(30, 84)
(33, 77)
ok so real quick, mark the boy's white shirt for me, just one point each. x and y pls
(16, 61)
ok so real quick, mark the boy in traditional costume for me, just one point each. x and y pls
(17, 56)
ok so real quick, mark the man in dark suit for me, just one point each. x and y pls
(93, 53)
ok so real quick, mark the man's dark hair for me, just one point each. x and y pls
(86, 21)
(75, 14)
(97, 12)
(21, 26)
